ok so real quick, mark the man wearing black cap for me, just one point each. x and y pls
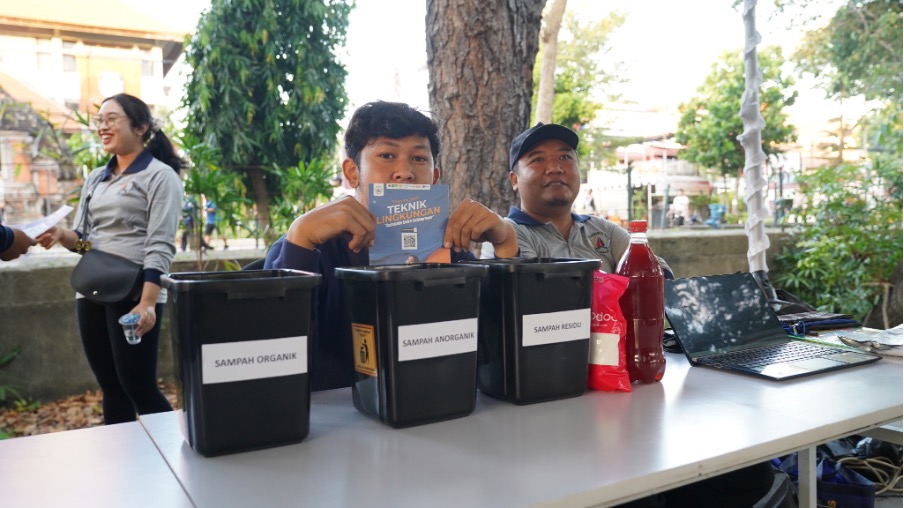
(543, 164)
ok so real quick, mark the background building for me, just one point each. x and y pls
(57, 58)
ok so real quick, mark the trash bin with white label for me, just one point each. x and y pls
(534, 334)
(414, 333)
(241, 344)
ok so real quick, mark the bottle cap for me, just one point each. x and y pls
(637, 226)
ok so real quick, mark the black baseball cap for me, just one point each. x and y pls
(540, 132)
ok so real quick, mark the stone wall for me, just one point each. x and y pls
(37, 309)
(709, 252)
(37, 312)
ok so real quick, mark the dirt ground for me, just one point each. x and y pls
(74, 412)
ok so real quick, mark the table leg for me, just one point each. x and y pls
(806, 477)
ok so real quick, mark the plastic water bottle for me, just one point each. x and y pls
(643, 307)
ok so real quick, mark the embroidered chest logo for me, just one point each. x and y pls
(600, 243)
(125, 188)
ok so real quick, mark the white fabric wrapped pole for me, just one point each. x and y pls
(751, 140)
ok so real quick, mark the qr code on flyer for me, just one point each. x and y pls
(409, 239)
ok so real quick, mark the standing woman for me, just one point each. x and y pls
(131, 208)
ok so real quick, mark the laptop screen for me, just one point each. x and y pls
(720, 313)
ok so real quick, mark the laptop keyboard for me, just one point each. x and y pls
(770, 355)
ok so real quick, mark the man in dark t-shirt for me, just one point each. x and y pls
(385, 143)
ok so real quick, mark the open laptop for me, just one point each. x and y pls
(724, 322)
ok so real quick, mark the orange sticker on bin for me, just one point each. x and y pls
(365, 351)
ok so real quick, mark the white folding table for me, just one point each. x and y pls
(111, 466)
(598, 449)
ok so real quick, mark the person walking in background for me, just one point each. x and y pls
(189, 209)
(130, 208)
(212, 225)
(682, 208)
(189, 221)
(587, 205)
(13, 243)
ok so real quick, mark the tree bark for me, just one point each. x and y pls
(549, 41)
(480, 54)
(888, 312)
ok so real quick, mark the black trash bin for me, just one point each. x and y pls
(414, 331)
(534, 328)
(241, 347)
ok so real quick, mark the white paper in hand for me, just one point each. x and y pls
(35, 228)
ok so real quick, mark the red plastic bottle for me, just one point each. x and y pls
(643, 307)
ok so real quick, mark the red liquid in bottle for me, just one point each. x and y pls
(643, 307)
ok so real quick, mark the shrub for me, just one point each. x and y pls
(850, 241)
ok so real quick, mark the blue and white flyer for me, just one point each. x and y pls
(411, 221)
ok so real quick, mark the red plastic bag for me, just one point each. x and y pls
(608, 368)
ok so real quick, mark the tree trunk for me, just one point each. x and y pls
(841, 130)
(480, 54)
(261, 200)
(549, 38)
(888, 312)
(754, 158)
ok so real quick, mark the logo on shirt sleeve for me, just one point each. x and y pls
(600, 242)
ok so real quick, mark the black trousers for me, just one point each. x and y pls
(127, 374)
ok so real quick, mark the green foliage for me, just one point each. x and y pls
(23, 405)
(303, 185)
(265, 85)
(710, 125)
(86, 151)
(731, 218)
(858, 53)
(8, 357)
(266, 88)
(206, 177)
(7, 390)
(701, 202)
(77, 153)
(884, 130)
(231, 266)
(579, 76)
(639, 198)
(851, 238)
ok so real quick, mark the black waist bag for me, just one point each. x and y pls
(107, 278)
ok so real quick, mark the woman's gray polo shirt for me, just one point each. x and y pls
(134, 215)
